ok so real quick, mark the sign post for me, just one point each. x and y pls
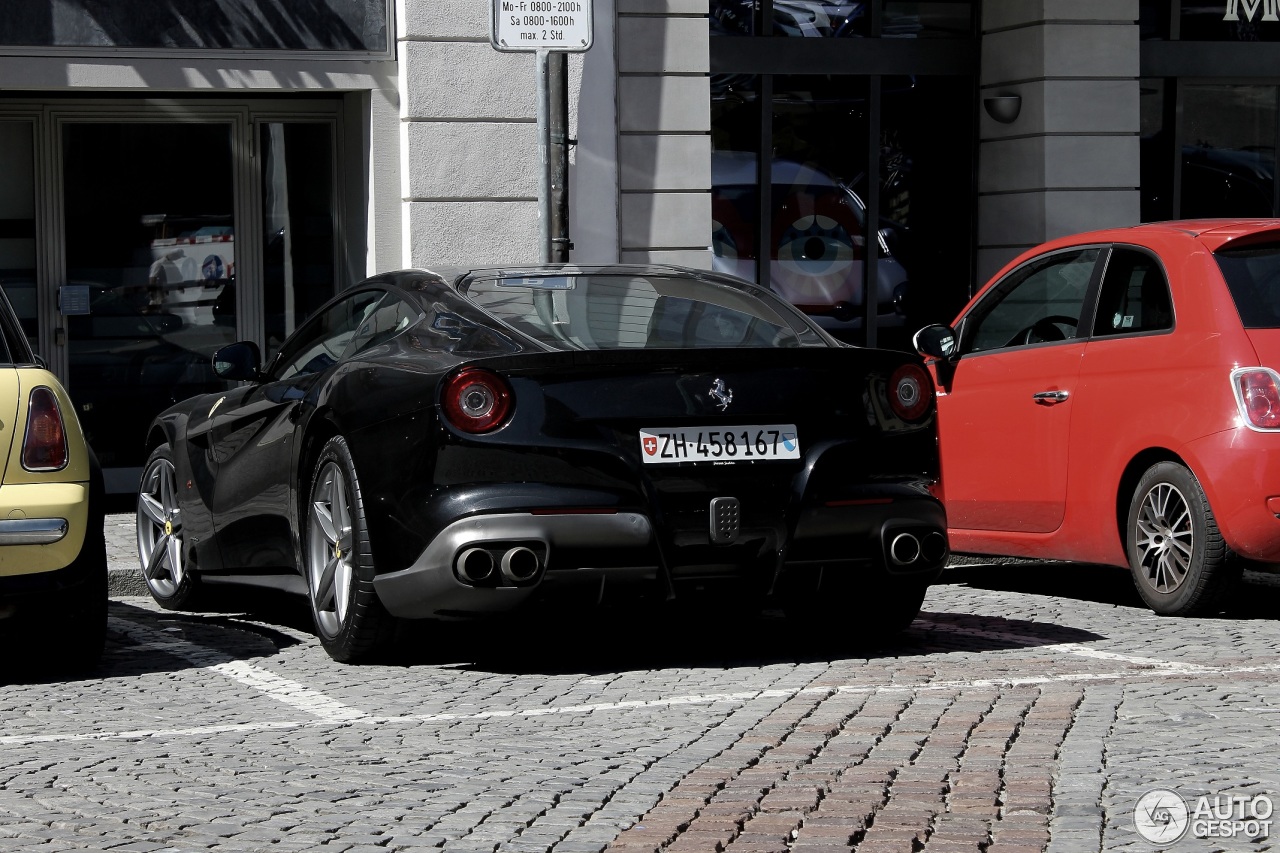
(545, 27)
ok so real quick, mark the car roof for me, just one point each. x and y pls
(1213, 233)
(454, 275)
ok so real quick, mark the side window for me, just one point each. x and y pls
(1134, 296)
(389, 317)
(1038, 302)
(325, 337)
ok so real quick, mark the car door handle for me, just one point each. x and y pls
(1051, 396)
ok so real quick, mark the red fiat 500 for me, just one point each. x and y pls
(1113, 397)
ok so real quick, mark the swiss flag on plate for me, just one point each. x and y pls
(650, 445)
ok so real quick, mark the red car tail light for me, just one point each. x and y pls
(910, 392)
(476, 400)
(1257, 391)
(44, 446)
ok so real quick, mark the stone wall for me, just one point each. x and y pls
(1069, 161)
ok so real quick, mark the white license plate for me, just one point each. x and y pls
(725, 444)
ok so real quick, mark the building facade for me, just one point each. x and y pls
(180, 174)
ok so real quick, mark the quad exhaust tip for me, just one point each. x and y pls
(904, 549)
(933, 548)
(518, 565)
(917, 549)
(474, 565)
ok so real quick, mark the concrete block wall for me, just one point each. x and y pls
(468, 137)
(1069, 162)
(664, 132)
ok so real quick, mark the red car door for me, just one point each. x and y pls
(1003, 431)
(1004, 416)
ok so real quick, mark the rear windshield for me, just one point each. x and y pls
(1253, 277)
(597, 312)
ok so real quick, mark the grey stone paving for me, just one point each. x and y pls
(1027, 709)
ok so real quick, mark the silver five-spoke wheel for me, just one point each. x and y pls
(329, 549)
(351, 622)
(160, 528)
(171, 581)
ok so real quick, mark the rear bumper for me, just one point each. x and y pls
(1239, 470)
(38, 592)
(42, 526)
(498, 562)
(432, 586)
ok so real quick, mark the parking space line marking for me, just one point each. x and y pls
(1136, 660)
(705, 699)
(289, 692)
(277, 687)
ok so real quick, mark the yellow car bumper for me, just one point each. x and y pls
(42, 526)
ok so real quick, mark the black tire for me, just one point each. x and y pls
(171, 579)
(77, 627)
(349, 618)
(1180, 564)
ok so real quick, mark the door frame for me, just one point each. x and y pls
(244, 116)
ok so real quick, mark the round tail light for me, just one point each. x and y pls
(910, 392)
(476, 400)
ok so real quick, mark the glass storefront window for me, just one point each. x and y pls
(843, 19)
(18, 223)
(150, 248)
(1228, 149)
(1229, 20)
(1156, 141)
(823, 170)
(731, 18)
(337, 25)
(299, 247)
(1153, 19)
(927, 20)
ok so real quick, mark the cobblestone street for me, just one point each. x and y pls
(1027, 709)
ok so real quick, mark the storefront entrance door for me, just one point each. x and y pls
(150, 278)
(18, 221)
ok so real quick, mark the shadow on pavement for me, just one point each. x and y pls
(615, 642)
(1258, 596)
(241, 624)
(1078, 581)
(142, 640)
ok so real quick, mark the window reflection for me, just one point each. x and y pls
(299, 263)
(927, 20)
(818, 222)
(1229, 20)
(1228, 152)
(18, 223)
(150, 241)
(843, 19)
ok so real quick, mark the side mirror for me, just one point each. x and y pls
(238, 361)
(936, 342)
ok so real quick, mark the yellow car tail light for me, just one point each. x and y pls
(44, 446)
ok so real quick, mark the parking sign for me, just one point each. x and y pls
(541, 25)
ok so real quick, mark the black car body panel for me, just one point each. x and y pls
(564, 475)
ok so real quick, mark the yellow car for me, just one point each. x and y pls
(53, 562)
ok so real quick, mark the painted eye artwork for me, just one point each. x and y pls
(818, 246)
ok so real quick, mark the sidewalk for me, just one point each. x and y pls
(124, 575)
